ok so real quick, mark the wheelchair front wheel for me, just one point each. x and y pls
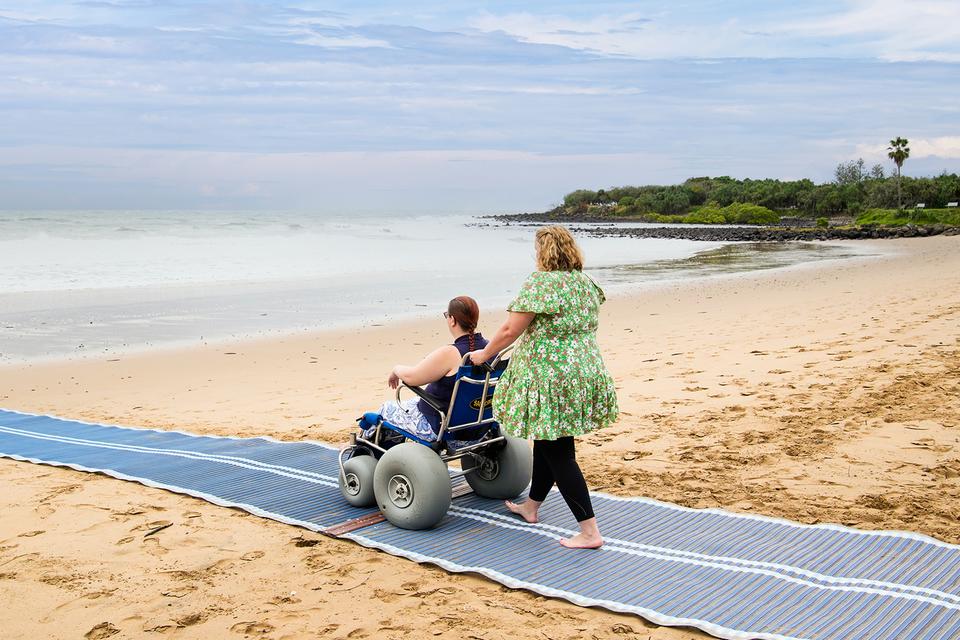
(356, 482)
(412, 486)
(503, 473)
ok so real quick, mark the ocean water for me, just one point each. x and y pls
(93, 282)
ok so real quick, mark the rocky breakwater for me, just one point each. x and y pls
(769, 234)
(604, 227)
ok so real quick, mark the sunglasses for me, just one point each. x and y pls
(446, 314)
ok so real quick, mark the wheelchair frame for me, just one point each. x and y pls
(440, 444)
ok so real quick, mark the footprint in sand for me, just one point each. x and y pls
(179, 592)
(153, 547)
(190, 620)
(282, 600)
(305, 542)
(252, 555)
(383, 595)
(61, 490)
(327, 630)
(252, 628)
(102, 630)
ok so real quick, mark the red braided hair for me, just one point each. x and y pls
(465, 311)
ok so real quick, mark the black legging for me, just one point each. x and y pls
(555, 461)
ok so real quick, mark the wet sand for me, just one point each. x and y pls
(822, 394)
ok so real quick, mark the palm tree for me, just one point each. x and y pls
(898, 151)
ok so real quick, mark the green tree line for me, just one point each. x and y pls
(853, 191)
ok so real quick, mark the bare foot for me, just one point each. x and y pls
(527, 510)
(582, 541)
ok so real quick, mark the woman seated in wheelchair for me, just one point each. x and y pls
(437, 370)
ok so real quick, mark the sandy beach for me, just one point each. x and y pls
(826, 393)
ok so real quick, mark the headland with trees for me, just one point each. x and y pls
(857, 197)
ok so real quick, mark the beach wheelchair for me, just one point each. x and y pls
(407, 476)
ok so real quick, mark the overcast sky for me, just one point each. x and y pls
(434, 107)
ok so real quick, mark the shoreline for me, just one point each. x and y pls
(616, 279)
(822, 393)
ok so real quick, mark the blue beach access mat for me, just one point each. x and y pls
(731, 575)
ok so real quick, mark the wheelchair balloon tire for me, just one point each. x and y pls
(412, 486)
(501, 474)
(356, 483)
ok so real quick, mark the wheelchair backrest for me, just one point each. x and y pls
(472, 400)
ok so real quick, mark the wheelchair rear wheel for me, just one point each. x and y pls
(412, 486)
(356, 483)
(502, 473)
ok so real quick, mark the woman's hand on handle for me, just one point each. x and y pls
(517, 322)
(478, 357)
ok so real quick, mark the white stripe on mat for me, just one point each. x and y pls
(178, 453)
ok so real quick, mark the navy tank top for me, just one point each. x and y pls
(443, 388)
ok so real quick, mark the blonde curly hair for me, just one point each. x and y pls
(557, 250)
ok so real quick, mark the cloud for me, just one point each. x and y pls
(246, 104)
(455, 181)
(326, 41)
(883, 29)
(629, 34)
(890, 29)
(946, 147)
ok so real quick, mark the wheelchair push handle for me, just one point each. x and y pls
(486, 366)
(483, 365)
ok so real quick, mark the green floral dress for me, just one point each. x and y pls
(556, 384)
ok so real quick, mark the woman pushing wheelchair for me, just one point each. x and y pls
(557, 386)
